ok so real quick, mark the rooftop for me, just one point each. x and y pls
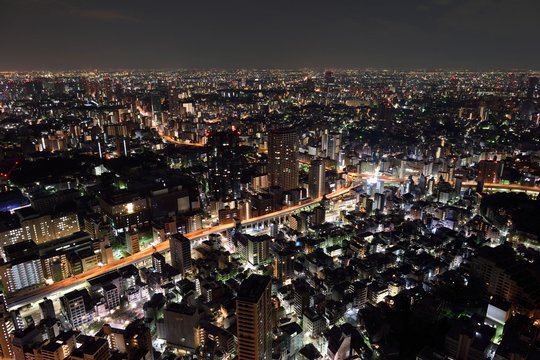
(253, 287)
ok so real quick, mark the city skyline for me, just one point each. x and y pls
(288, 180)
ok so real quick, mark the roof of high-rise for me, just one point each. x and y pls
(253, 287)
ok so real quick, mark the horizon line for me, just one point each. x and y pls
(229, 69)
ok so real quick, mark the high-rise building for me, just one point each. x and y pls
(379, 201)
(469, 338)
(253, 313)
(108, 88)
(158, 262)
(316, 179)
(283, 158)
(180, 253)
(480, 186)
(174, 102)
(155, 104)
(224, 165)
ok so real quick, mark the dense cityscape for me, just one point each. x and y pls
(303, 214)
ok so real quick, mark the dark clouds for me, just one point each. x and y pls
(68, 34)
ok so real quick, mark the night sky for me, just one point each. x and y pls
(398, 34)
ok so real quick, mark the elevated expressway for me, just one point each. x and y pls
(28, 296)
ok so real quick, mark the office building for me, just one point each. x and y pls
(217, 341)
(319, 216)
(57, 348)
(303, 298)
(227, 215)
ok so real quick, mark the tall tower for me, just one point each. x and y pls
(316, 179)
(180, 253)
(224, 166)
(283, 158)
(254, 320)
(174, 102)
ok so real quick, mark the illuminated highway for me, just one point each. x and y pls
(504, 186)
(36, 294)
(179, 142)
